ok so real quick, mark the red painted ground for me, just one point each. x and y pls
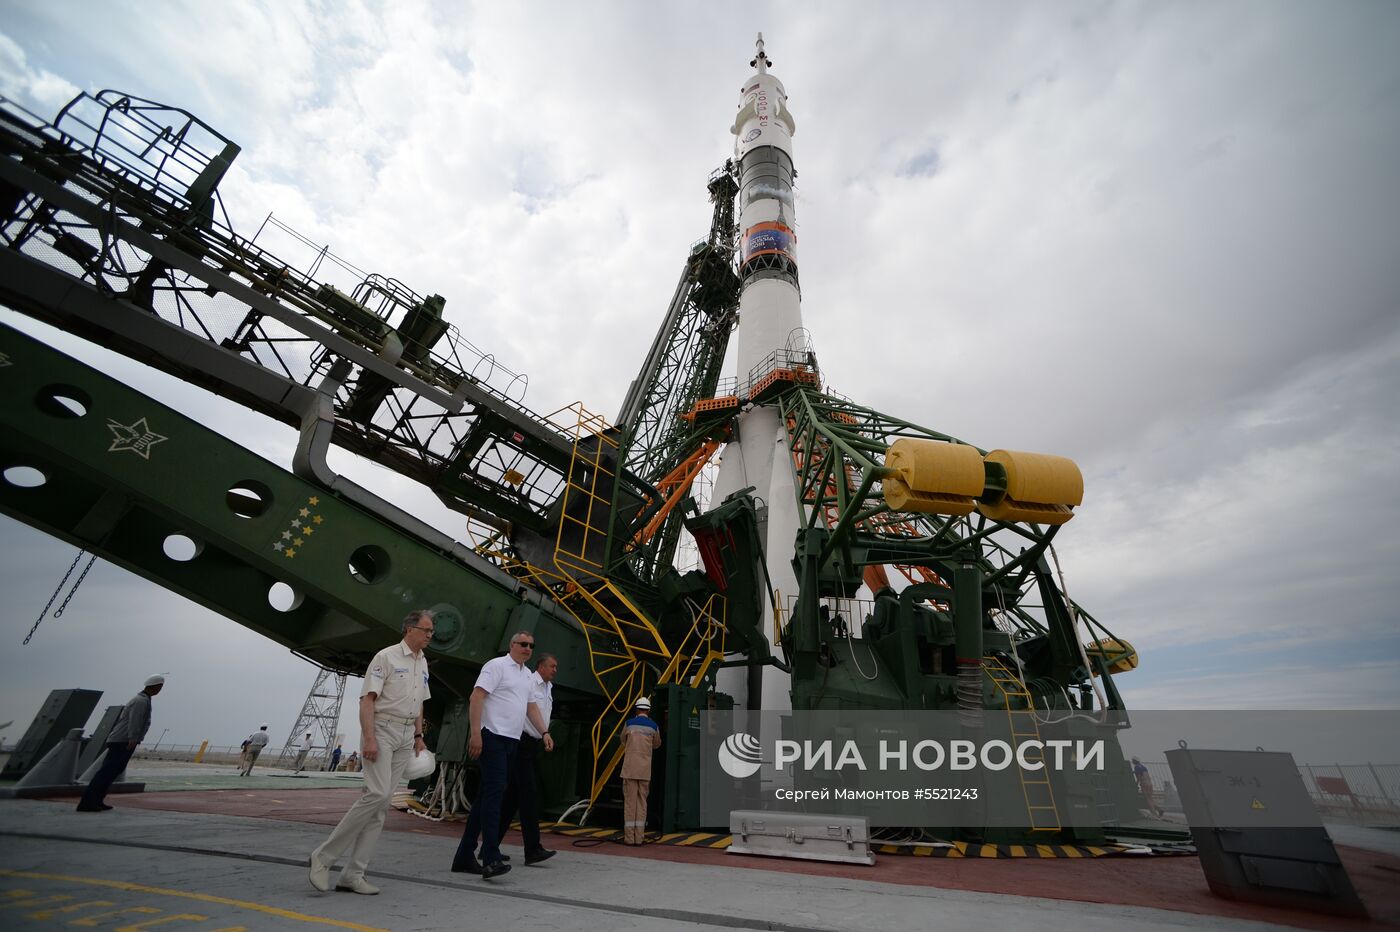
(1175, 883)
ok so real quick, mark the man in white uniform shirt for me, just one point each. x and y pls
(497, 714)
(522, 791)
(305, 750)
(254, 745)
(127, 732)
(391, 732)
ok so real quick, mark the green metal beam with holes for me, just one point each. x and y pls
(123, 473)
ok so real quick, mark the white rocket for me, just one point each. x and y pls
(770, 337)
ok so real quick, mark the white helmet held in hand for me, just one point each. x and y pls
(420, 765)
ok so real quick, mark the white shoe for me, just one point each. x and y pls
(358, 885)
(319, 875)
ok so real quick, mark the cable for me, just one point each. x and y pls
(850, 642)
(1074, 624)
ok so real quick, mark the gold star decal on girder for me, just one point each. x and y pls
(313, 500)
(297, 542)
(316, 518)
(290, 553)
(136, 437)
(304, 512)
(307, 531)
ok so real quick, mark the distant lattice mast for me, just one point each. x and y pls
(320, 715)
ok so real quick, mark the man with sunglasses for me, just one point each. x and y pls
(522, 793)
(391, 733)
(497, 714)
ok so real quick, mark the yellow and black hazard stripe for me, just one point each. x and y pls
(964, 849)
(681, 839)
(959, 849)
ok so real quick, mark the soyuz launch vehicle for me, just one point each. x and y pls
(770, 335)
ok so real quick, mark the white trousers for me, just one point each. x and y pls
(358, 831)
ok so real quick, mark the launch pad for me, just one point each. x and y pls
(851, 560)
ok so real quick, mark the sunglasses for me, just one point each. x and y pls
(529, 644)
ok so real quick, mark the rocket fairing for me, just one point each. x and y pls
(770, 305)
(770, 331)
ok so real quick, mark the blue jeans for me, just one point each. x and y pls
(484, 823)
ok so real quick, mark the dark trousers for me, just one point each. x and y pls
(484, 823)
(118, 754)
(522, 792)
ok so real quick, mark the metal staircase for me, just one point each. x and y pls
(625, 648)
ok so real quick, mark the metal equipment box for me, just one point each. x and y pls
(62, 711)
(1259, 837)
(804, 835)
(676, 770)
(97, 741)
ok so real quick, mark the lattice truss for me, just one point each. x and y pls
(838, 458)
(119, 193)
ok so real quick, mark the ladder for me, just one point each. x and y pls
(1020, 712)
(624, 645)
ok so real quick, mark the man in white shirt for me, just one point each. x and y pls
(497, 713)
(391, 733)
(256, 742)
(305, 750)
(127, 731)
(522, 790)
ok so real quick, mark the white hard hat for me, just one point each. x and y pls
(420, 765)
(643, 703)
(156, 680)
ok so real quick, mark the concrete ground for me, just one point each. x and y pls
(227, 855)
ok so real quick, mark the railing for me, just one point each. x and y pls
(230, 754)
(1348, 792)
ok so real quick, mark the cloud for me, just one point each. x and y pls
(36, 86)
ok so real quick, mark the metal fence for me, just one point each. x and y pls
(230, 754)
(1366, 792)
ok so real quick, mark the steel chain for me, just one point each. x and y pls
(61, 584)
(71, 592)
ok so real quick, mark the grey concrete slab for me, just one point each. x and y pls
(260, 864)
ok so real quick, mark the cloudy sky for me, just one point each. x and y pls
(1158, 238)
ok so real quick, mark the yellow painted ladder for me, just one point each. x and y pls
(1020, 712)
(623, 643)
